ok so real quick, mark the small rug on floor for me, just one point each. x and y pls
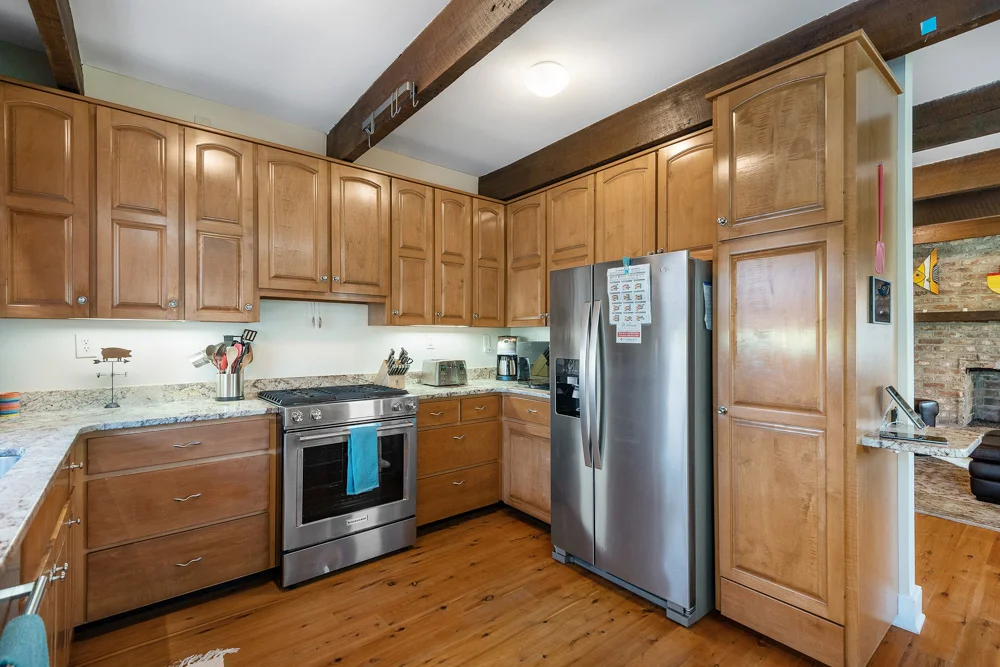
(215, 658)
(941, 489)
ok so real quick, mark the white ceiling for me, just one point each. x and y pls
(969, 60)
(17, 25)
(617, 54)
(302, 61)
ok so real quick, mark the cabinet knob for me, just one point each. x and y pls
(437, 314)
(248, 307)
(722, 410)
(660, 251)
(172, 303)
(324, 278)
(723, 221)
(73, 466)
(73, 522)
(395, 312)
(81, 300)
(336, 279)
(651, 252)
(475, 316)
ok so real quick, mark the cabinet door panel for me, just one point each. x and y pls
(526, 469)
(570, 224)
(219, 228)
(780, 158)
(412, 253)
(780, 447)
(527, 278)
(453, 258)
(626, 209)
(44, 205)
(359, 234)
(138, 217)
(293, 214)
(686, 195)
(488, 242)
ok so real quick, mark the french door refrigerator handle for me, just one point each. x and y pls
(585, 387)
(594, 405)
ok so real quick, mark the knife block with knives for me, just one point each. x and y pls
(392, 372)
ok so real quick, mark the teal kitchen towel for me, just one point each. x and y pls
(23, 642)
(362, 459)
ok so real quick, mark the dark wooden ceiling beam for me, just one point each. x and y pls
(963, 206)
(459, 37)
(55, 26)
(962, 174)
(892, 25)
(966, 115)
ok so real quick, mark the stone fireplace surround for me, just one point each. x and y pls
(944, 354)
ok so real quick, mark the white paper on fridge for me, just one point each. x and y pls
(628, 333)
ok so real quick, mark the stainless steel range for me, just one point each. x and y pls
(323, 527)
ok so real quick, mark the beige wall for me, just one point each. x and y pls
(131, 92)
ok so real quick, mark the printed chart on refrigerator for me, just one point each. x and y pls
(628, 294)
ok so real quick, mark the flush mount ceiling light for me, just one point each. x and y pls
(546, 79)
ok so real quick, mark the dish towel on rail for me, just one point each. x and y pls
(362, 459)
(23, 643)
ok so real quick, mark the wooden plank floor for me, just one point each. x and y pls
(484, 590)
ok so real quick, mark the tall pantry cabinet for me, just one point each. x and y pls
(806, 517)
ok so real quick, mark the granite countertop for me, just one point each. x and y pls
(43, 438)
(961, 442)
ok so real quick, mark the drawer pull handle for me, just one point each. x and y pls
(480, 408)
(436, 414)
(184, 500)
(530, 411)
(459, 483)
(187, 444)
(458, 437)
(74, 521)
(72, 466)
(193, 560)
(59, 572)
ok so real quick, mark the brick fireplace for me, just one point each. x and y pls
(951, 357)
(984, 397)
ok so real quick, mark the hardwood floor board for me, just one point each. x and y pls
(484, 590)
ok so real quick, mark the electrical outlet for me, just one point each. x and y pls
(430, 341)
(487, 345)
(85, 347)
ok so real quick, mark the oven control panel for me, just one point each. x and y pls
(348, 412)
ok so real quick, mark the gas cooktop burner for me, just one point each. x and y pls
(335, 394)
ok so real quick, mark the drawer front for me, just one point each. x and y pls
(457, 447)
(132, 507)
(812, 635)
(452, 493)
(437, 413)
(138, 574)
(526, 410)
(480, 407)
(137, 450)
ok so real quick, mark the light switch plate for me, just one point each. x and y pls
(487, 344)
(430, 341)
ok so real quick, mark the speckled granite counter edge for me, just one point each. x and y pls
(961, 443)
(43, 440)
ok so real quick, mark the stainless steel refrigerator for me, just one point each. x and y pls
(632, 431)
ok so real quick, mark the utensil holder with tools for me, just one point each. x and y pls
(229, 386)
(230, 358)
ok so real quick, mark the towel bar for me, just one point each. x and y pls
(33, 591)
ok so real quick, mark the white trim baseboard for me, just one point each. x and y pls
(910, 615)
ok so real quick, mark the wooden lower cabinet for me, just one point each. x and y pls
(526, 470)
(458, 448)
(170, 510)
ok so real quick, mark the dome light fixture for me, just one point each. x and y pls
(546, 79)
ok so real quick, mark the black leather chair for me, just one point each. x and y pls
(984, 471)
(927, 409)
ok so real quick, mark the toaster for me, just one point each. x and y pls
(444, 372)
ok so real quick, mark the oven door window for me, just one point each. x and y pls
(324, 479)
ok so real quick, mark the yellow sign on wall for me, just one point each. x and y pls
(926, 274)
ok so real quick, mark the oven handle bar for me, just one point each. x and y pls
(347, 431)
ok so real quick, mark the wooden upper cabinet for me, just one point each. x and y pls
(488, 266)
(219, 236)
(780, 454)
(686, 194)
(626, 209)
(359, 231)
(44, 205)
(569, 210)
(138, 217)
(293, 221)
(780, 148)
(452, 258)
(527, 279)
(412, 299)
